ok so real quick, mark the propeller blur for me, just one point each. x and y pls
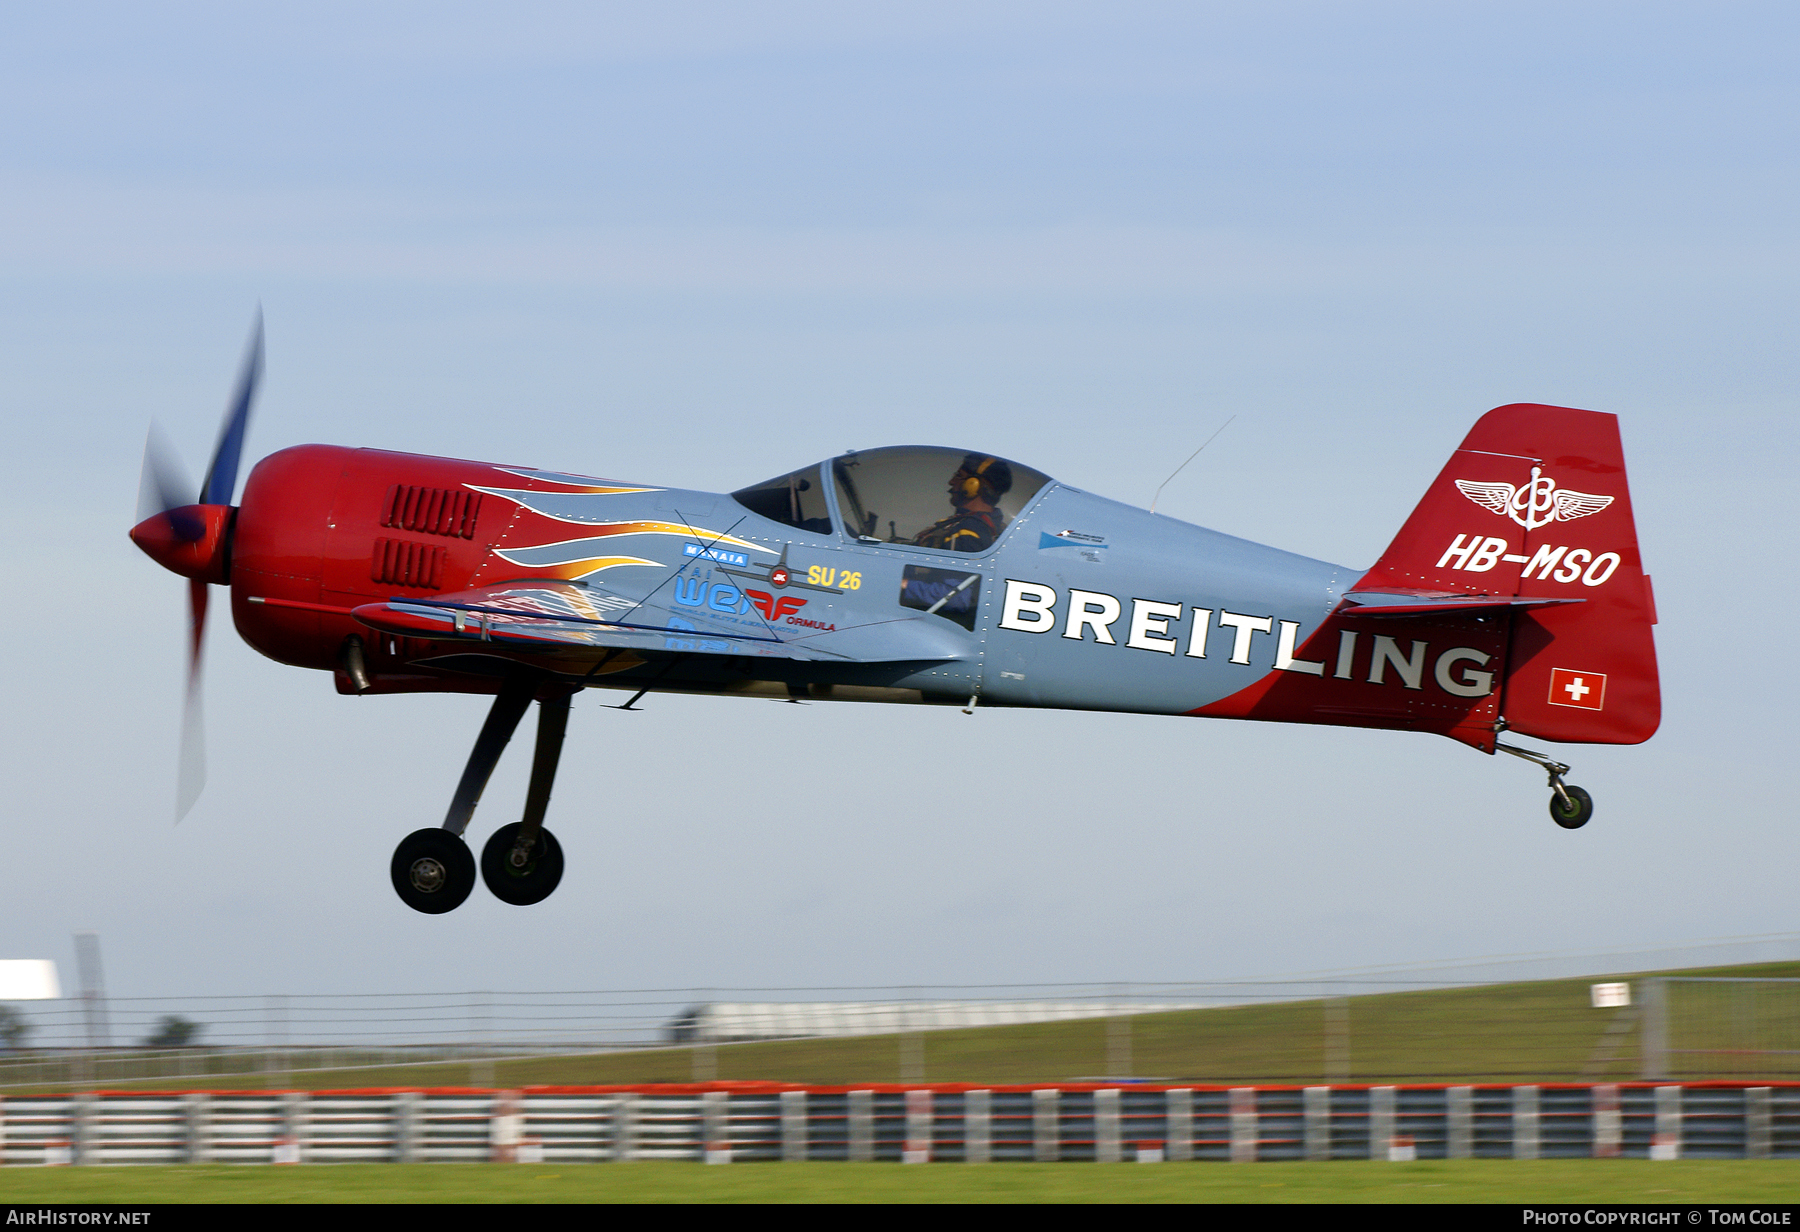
(189, 537)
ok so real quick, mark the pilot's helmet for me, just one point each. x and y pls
(986, 477)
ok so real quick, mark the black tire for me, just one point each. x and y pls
(433, 871)
(521, 886)
(1571, 818)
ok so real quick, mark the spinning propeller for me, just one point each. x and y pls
(193, 538)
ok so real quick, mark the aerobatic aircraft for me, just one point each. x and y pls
(1512, 601)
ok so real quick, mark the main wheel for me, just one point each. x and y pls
(1571, 818)
(528, 883)
(433, 871)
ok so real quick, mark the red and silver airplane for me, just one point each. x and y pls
(1513, 600)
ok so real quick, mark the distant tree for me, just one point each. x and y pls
(173, 1031)
(13, 1028)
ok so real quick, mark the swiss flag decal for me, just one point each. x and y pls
(1583, 690)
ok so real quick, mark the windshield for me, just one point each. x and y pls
(795, 499)
(931, 497)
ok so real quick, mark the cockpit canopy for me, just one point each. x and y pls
(923, 495)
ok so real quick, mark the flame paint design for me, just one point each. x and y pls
(570, 561)
(580, 483)
(600, 531)
(584, 503)
(577, 558)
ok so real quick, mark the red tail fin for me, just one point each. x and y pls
(1534, 505)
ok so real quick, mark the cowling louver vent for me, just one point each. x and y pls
(399, 562)
(432, 511)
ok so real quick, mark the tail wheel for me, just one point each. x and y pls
(1575, 813)
(521, 878)
(433, 871)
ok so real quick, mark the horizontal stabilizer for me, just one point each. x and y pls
(1424, 603)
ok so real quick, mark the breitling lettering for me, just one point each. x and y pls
(1028, 607)
(1090, 609)
(1470, 682)
(1410, 667)
(1246, 626)
(1031, 607)
(1479, 554)
(1150, 625)
(1284, 653)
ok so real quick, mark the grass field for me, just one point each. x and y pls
(1531, 1032)
(1598, 1181)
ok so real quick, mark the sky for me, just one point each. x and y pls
(699, 244)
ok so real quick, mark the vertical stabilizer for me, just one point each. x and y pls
(1535, 505)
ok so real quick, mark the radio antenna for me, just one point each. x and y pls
(1165, 483)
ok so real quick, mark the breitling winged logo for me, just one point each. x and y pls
(1539, 503)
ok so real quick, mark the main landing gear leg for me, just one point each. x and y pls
(523, 863)
(1570, 807)
(433, 870)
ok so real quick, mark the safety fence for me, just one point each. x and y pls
(742, 1122)
(1505, 1020)
(1661, 1029)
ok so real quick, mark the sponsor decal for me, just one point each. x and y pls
(1538, 503)
(773, 609)
(1582, 690)
(1088, 547)
(714, 596)
(1069, 539)
(778, 576)
(1181, 631)
(719, 554)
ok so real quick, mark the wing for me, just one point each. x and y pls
(1495, 496)
(546, 615)
(1572, 505)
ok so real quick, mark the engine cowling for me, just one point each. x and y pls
(323, 529)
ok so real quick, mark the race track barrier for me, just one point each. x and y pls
(943, 1123)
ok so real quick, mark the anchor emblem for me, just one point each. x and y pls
(1538, 503)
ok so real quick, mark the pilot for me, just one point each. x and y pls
(975, 491)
